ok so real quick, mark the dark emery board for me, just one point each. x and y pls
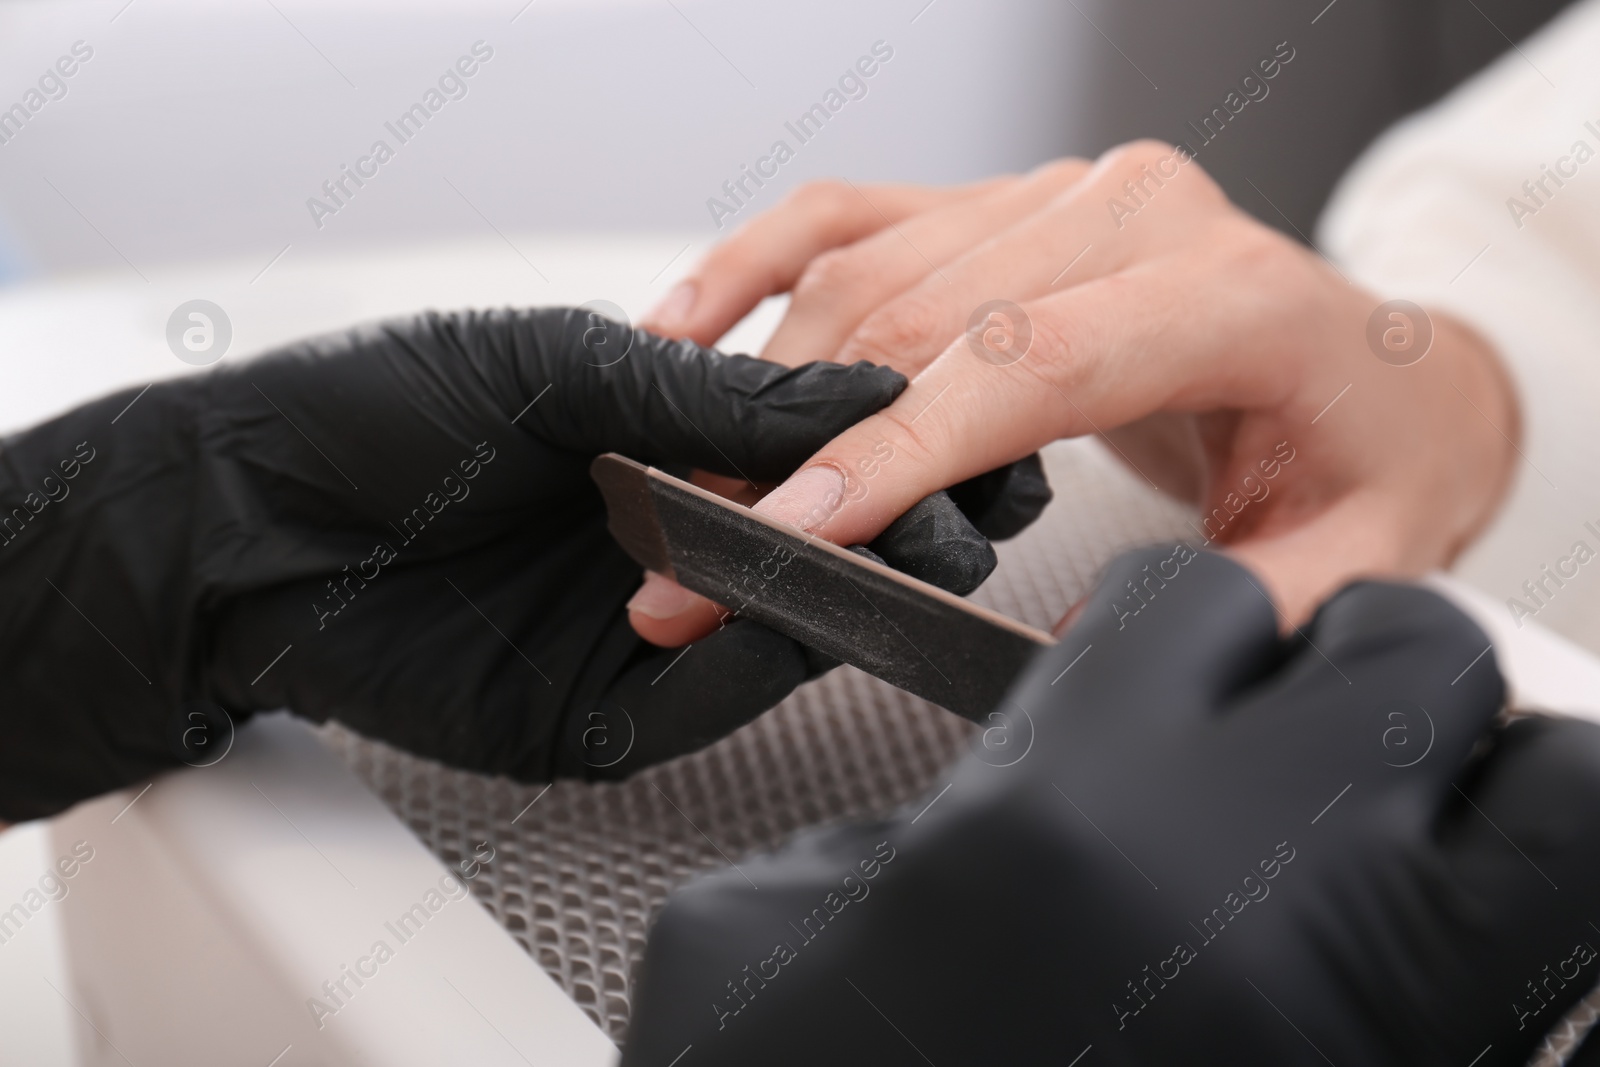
(911, 634)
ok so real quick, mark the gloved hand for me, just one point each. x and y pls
(395, 527)
(1197, 843)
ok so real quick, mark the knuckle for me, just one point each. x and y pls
(1201, 185)
(1273, 261)
(1256, 247)
(1135, 154)
(1060, 346)
(826, 198)
(1063, 172)
(734, 257)
(1147, 159)
(906, 436)
(745, 259)
(895, 330)
(829, 277)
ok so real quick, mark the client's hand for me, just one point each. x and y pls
(1223, 361)
(1182, 840)
(395, 527)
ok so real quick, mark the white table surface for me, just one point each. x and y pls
(219, 900)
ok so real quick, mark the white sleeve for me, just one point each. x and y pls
(1487, 206)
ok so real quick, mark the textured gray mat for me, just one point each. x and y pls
(579, 871)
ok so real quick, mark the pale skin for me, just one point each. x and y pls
(1189, 336)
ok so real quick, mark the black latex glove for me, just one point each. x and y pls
(395, 527)
(1198, 843)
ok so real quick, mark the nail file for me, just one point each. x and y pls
(911, 634)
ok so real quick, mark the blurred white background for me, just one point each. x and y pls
(199, 129)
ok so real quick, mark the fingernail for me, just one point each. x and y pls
(807, 500)
(661, 598)
(672, 313)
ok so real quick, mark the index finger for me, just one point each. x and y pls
(767, 255)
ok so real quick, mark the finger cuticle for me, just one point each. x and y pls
(661, 599)
(808, 499)
(672, 313)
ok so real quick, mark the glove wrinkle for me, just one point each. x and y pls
(1209, 831)
(935, 542)
(1005, 501)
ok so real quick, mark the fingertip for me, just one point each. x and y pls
(705, 305)
(666, 614)
(674, 633)
(672, 314)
